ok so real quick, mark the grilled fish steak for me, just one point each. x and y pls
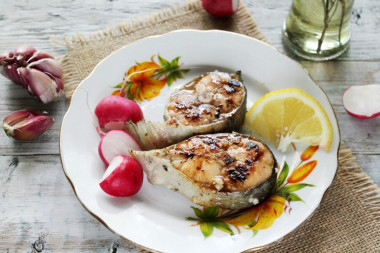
(224, 170)
(212, 103)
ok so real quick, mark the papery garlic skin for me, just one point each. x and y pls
(26, 124)
(36, 71)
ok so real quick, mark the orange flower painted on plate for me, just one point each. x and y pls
(263, 215)
(144, 86)
(268, 211)
(302, 172)
(145, 80)
(309, 152)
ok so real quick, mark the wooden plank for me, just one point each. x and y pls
(37, 201)
(362, 136)
(370, 165)
(365, 30)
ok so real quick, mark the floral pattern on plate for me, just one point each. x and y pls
(261, 216)
(154, 218)
(144, 80)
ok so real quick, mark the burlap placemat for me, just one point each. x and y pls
(85, 52)
(348, 219)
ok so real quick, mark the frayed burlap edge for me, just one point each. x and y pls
(71, 77)
(126, 28)
(352, 174)
(364, 191)
(355, 178)
(360, 182)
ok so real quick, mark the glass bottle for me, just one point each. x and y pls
(318, 29)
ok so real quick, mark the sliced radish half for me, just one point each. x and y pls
(362, 101)
(123, 177)
(116, 142)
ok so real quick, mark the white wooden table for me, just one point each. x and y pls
(38, 209)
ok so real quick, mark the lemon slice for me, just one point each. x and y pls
(288, 116)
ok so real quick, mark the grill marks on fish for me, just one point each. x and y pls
(229, 157)
(238, 173)
(225, 170)
(207, 98)
(212, 103)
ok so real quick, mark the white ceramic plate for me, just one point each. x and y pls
(155, 218)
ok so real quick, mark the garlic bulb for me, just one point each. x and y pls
(36, 71)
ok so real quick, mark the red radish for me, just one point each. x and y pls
(116, 142)
(114, 111)
(123, 177)
(221, 8)
(362, 101)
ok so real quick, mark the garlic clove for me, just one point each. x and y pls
(17, 116)
(38, 56)
(26, 125)
(39, 84)
(11, 72)
(59, 84)
(7, 58)
(23, 54)
(47, 65)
